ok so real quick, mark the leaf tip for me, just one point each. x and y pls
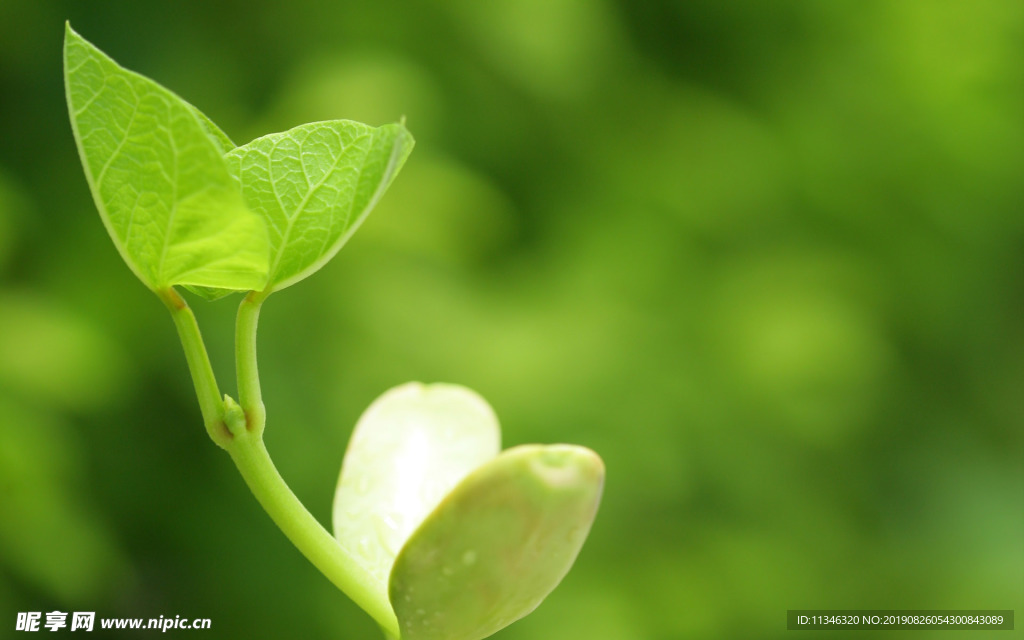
(441, 394)
(566, 465)
(70, 35)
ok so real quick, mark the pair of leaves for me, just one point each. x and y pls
(459, 539)
(184, 206)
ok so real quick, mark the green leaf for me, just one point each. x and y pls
(498, 544)
(314, 185)
(210, 293)
(409, 449)
(213, 132)
(155, 167)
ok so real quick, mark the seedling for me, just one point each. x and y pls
(437, 534)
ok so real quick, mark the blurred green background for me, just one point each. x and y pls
(766, 257)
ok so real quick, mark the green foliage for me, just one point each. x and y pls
(498, 544)
(170, 185)
(764, 256)
(314, 185)
(480, 538)
(409, 449)
(156, 172)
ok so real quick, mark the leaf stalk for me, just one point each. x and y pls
(207, 391)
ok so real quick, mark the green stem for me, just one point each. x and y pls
(285, 509)
(303, 530)
(250, 396)
(238, 428)
(210, 402)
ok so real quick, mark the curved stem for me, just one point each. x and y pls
(254, 463)
(238, 428)
(205, 382)
(305, 532)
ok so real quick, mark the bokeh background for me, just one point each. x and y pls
(766, 257)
